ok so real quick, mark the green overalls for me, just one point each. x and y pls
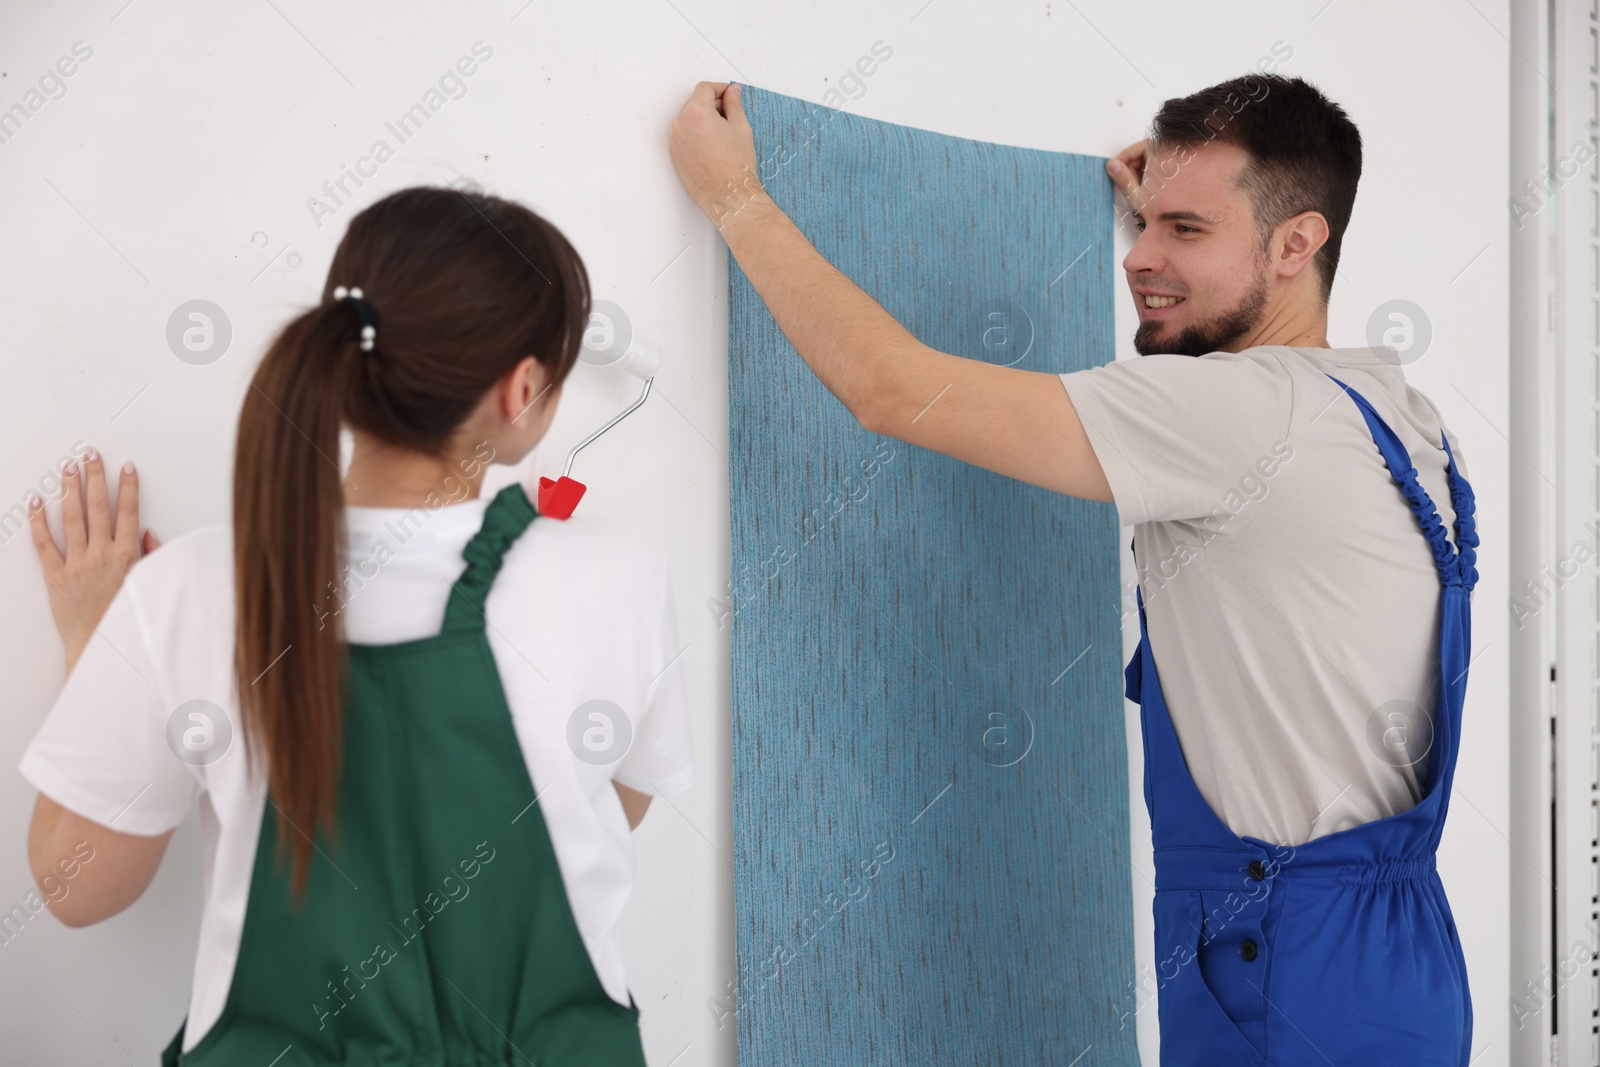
(437, 933)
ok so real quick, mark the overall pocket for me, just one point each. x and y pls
(1195, 1028)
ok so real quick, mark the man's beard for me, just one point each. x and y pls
(1211, 335)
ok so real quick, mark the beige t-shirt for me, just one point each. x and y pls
(1291, 599)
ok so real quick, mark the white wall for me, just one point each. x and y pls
(178, 166)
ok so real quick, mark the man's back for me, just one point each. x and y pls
(1291, 599)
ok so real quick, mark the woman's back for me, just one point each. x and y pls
(580, 611)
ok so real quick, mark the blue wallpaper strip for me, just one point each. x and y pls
(930, 792)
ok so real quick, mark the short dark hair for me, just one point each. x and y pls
(1304, 152)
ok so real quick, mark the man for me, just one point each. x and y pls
(1302, 733)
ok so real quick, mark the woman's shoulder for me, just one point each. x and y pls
(598, 541)
(197, 563)
(605, 562)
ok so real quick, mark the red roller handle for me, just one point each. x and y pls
(557, 499)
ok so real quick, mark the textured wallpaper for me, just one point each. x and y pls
(930, 793)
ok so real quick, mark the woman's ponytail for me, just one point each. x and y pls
(288, 521)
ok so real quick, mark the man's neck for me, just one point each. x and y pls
(1290, 329)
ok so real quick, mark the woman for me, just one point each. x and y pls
(416, 835)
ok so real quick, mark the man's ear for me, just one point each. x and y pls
(1307, 233)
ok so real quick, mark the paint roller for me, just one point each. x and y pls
(558, 498)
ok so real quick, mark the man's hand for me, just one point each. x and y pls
(1127, 171)
(714, 151)
(98, 556)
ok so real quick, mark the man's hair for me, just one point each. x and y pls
(1304, 153)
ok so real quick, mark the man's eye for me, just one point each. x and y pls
(1191, 229)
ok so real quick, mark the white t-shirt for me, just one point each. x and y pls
(581, 609)
(1291, 598)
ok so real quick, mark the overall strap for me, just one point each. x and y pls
(504, 520)
(1133, 673)
(1465, 505)
(1455, 566)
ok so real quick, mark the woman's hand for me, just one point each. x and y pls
(1127, 171)
(98, 556)
(713, 148)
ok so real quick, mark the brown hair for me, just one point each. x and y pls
(1303, 152)
(467, 285)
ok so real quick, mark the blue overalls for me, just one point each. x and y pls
(1340, 951)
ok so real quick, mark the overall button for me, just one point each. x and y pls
(1247, 949)
(1257, 871)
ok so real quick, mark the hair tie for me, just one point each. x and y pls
(364, 311)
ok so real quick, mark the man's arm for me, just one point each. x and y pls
(1018, 423)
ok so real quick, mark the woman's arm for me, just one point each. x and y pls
(88, 872)
(634, 803)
